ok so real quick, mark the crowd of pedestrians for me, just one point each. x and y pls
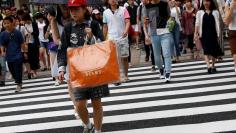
(167, 30)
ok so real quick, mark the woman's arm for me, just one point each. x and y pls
(55, 31)
(229, 12)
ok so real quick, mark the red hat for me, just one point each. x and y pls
(77, 3)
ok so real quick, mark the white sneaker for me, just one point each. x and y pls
(167, 77)
(18, 88)
(57, 82)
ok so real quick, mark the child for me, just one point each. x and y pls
(12, 40)
(74, 35)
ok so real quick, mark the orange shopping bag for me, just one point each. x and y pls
(93, 65)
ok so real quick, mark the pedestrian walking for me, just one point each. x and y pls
(157, 14)
(147, 43)
(73, 36)
(11, 41)
(32, 34)
(208, 30)
(116, 25)
(230, 20)
(188, 25)
(53, 33)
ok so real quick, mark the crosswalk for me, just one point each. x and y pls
(194, 102)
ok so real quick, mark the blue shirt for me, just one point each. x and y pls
(12, 41)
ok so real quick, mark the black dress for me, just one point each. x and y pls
(209, 36)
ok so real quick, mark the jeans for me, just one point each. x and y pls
(3, 68)
(176, 37)
(16, 70)
(162, 44)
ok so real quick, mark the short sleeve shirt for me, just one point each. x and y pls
(115, 21)
(13, 42)
(157, 15)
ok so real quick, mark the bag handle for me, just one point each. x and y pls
(87, 40)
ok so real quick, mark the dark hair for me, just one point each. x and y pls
(38, 15)
(59, 16)
(212, 5)
(26, 17)
(8, 18)
(51, 11)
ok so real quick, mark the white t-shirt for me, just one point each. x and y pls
(115, 22)
(22, 30)
(175, 15)
(41, 32)
(29, 31)
(232, 25)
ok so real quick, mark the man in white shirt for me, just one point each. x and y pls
(116, 21)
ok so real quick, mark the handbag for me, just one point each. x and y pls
(93, 65)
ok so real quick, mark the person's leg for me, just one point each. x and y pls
(52, 60)
(81, 107)
(166, 41)
(3, 71)
(11, 69)
(207, 60)
(234, 56)
(191, 45)
(213, 64)
(18, 66)
(156, 45)
(42, 52)
(152, 56)
(97, 114)
(146, 47)
(126, 67)
(176, 41)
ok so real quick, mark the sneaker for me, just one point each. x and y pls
(153, 69)
(57, 82)
(167, 77)
(162, 73)
(18, 88)
(86, 130)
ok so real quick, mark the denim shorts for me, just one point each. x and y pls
(44, 45)
(91, 93)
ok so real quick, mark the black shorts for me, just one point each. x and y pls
(91, 93)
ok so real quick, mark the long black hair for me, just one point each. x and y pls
(212, 5)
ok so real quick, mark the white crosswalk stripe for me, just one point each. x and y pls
(193, 102)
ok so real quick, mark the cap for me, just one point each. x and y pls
(76, 3)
